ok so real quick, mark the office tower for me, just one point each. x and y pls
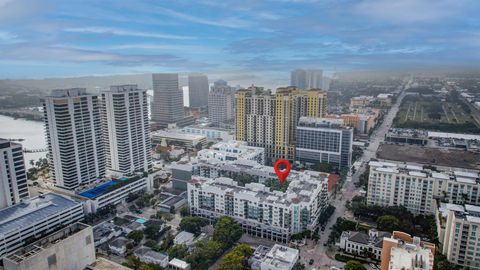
(314, 79)
(167, 106)
(299, 78)
(269, 120)
(320, 140)
(74, 137)
(458, 230)
(34, 218)
(198, 90)
(126, 129)
(415, 186)
(13, 178)
(402, 251)
(55, 251)
(221, 100)
(307, 79)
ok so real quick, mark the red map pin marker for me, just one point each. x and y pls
(282, 175)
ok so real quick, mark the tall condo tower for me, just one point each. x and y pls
(74, 137)
(307, 78)
(13, 178)
(126, 129)
(198, 90)
(269, 120)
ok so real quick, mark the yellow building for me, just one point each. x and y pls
(268, 120)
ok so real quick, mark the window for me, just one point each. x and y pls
(88, 240)
(52, 260)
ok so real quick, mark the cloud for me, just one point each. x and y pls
(230, 22)
(168, 47)
(15, 10)
(410, 11)
(122, 32)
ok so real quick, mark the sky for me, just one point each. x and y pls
(240, 41)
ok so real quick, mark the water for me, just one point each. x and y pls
(32, 131)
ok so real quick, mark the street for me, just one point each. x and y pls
(319, 252)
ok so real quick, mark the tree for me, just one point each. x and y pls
(167, 241)
(205, 254)
(323, 167)
(178, 251)
(136, 236)
(388, 223)
(185, 211)
(299, 266)
(227, 231)
(152, 231)
(236, 258)
(193, 224)
(354, 265)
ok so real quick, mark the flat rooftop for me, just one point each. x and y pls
(44, 243)
(103, 189)
(33, 210)
(104, 264)
(428, 155)
(177, 135)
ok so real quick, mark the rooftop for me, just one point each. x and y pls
(414, 169)
(176, 135)
(466, 212)
(33, 210)
(148, 252)
(322, 122)
(110, 185)
(104, 264)
(179, 263)
(44, 243)
(281, 257)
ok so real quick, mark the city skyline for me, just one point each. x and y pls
(258, 41)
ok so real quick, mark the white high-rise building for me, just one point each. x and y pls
(74, 137)
(221, 100)
(458, 230)
(415, 186)
(13, 178)
(198, 90)
(126, 129)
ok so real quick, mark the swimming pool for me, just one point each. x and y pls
(140, 220)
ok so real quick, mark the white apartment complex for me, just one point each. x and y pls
(126, 129)
(275, 215)
(35, 218)
(415, 186)
(13, 177)
(233, 150)
(458, 228)
(74, 137)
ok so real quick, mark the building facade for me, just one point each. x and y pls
(415, 186)
(325, 141)
(74, 137)
(458, 228)
(363, 244)
(221, 103)
(34, 218)
(269, 121)
(55, 251)
(198, 90)
(213, 134)
(167, 106)
(13, 177)
(126, 129)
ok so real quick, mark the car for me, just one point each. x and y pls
(311, 261)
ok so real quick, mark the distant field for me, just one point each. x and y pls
(432, 114)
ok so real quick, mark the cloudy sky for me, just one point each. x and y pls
(249, 40)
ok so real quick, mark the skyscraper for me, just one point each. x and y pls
(13, 178)
(74, 137)
(126, 128)
(307, 79)
(298, 78)
(167, 106)
(269, 120)
(221, 100)
(198, 90)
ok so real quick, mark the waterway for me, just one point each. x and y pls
(31, 131)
